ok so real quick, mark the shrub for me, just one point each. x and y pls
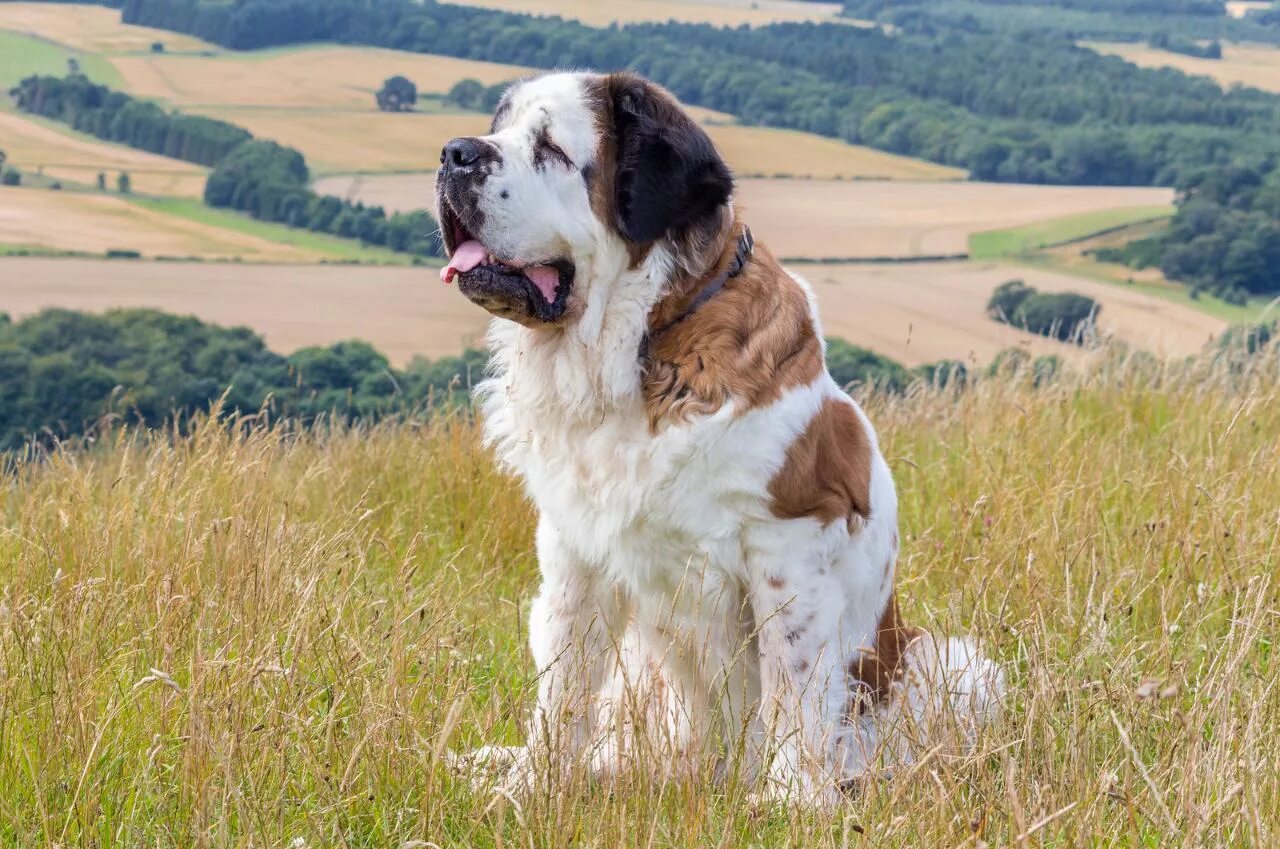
(1059, 315)
(11, 177)
(123, 253)
(1006, 299)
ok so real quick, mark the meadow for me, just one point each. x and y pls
(1254, 65)
(253, 636)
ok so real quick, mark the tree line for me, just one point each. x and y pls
(267, 180)
(63, 371)
(1035, 108)
(1225, 237)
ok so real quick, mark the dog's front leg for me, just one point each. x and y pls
(798, 604)
(575, 627)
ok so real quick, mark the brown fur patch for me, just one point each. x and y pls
(874, 671)
(749, 343)
(827, 473)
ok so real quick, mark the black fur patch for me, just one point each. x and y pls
(669, 175)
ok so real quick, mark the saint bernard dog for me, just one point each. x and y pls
(717, 528)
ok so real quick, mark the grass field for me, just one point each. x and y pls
(23, 55)
(1255, 65)
(721, 12)
(93, 29)
(1073, 259)
(243, 639)
(95, 223)
(1058, 231)
(314, 77)
(35, 145)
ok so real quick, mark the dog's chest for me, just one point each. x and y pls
(644, 507)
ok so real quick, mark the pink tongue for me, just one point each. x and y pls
(545, 278)
(470, 254)
(465, 257)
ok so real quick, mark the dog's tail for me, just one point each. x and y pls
(948, 692)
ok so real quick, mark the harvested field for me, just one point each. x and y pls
(37, 146)
(403, 311)
(721, 12)
(914, 313)
(93, 28)
(851, 219)
(925, 312)
(298, 77)
(334, 140)
(368, 140)
(1253, 65)
(82, 221)
(823, 219)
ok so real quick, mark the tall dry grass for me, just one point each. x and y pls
(269, 638)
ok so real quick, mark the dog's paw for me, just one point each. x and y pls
(506, 769)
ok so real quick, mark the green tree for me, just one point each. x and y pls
(398, 94)
(124, 184)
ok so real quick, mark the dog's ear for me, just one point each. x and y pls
(669, 175)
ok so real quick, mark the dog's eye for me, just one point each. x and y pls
(544, 150)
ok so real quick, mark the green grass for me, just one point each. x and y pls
(1172, 292)
(260, 638)
(333, 247)
(24, 55)
(995, 244)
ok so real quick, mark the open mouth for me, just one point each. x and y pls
(530, 293)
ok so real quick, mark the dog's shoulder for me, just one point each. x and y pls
(747, 346)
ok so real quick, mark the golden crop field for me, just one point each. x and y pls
(403, 311)
(720, 12)
(299, 78)
(367, 140)
(859, 219)
(84, 221)
(768, 152)
(924, 312)
(915, 313)
(44, 147)
(1256, 65)
(92, 28)
(849, 219)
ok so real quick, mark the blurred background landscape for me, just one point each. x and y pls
(268, 164)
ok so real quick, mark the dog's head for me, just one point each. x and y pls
(577, 168)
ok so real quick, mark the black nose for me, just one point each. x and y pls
(466, 152)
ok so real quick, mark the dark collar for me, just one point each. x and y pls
(745, 246)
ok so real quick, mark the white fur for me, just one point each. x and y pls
(664, 573)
